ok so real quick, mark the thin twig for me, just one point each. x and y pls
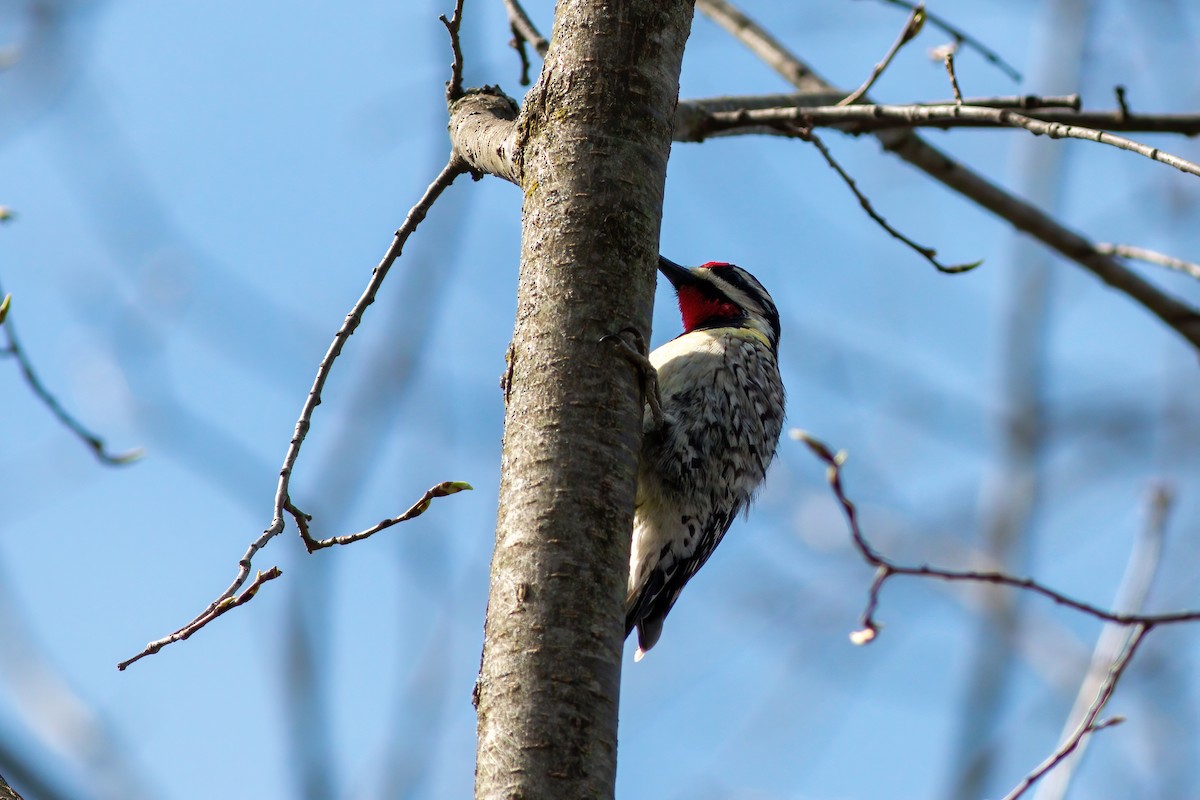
(912, 27)
(991, 56)
(14, 349)
(443, 489)
(760, 42)
(518, 43)
(1144, 561)
(1022, 215)
(283, 503)
(1122, 102)
(524, 28)
(887, 569)
(454, 86)
(945, 54)
(1091, 722)
(228, 604)
(1150, 257)
(928, 253)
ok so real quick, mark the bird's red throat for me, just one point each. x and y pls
(700, 309)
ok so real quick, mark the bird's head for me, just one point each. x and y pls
(719, 295)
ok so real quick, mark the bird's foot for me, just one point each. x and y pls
(637, 354)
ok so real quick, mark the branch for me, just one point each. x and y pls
(928, 253)
(443, 489)
(991, 56)
(817, 97)
(911, 28)
(454, 86)
(1022, 215)
(524, 29)
(1122, 102)
(760, 42)
(1055, 124)
(1144, 562)
(887, 569)
(483, 132)
(1150, 257)
(865, 118)
(693, 117)
(1091, 722)
(945, 54)
(283, 503)
(946, 116)
(227, 604)
(14, 349)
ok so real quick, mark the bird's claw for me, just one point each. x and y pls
(637, 354)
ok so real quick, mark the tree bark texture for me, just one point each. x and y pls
(590, 154)
(6, 791)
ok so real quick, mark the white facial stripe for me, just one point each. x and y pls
(744, 290)
(739, 297)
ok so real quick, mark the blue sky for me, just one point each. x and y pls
(201, 191)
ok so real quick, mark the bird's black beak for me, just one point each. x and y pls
(676, 274)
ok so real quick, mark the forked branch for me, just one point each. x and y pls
(886, 569)
(230, 598)
(443, 489)
(1178, 315)
(1091, 722)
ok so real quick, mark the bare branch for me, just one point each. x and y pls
(763, 44)
(991, 56)
(1122, 102)
(283, 503)
(228, 604)
(945, 54)
(518, 43)
(1091, 722)
(523, 28)
(13, 349)
(693, 121)
(886, 568)
(443, 489)
(928, 253)
(483, 132)
(1022, 215)
(1150, 257)
(911, 28)
(1144, 561)
(947, 116)
(864, 118)
(819, 97)
(454, 86)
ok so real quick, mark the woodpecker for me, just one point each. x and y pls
(708, 450)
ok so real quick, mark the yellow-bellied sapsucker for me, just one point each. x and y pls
(722, 410)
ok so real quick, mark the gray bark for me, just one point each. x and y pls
(6, 791)
(589, 150)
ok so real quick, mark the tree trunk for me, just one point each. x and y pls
(7, 792)
(591, 154)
